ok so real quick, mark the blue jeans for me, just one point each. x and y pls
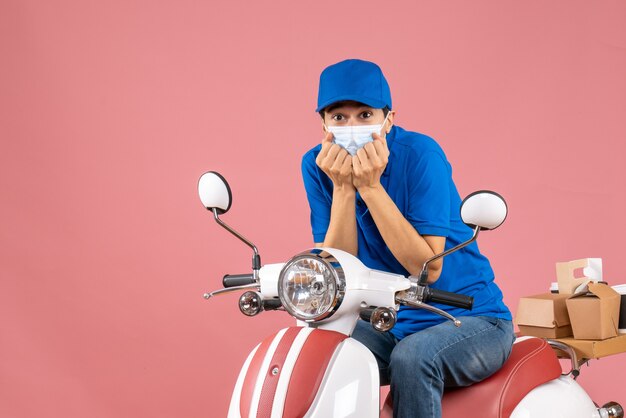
(421, 365)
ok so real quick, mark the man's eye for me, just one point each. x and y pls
(337, 117)
(365, 115)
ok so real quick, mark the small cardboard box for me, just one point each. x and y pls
(591, 269)
(594, 315)
(621, 289)
(544, 315)
(597, 349)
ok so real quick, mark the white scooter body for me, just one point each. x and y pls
(350, 384)
(349, 387)
(559, 398)
(316, 370)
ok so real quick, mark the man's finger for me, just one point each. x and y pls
(333, 151)
(356, 166)
(373, 159)
(380, 143)
(377, 137)
(337, 164)
(370, 149)
(379, 147)
(342, 153)
(361, 155)
(346, 166)
(325, 146)
(327, 141)
(327, 138)
(381, 151)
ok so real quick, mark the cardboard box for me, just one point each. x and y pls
(621, 289)
(594, 315)
(597, 349)
(566, 272)
(544, 315)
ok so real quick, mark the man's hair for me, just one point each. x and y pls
(339, 104)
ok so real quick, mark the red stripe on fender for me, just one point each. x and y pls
(249, 382)
(271, 380)
(309, 370)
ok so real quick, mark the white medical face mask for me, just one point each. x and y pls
(353, 138)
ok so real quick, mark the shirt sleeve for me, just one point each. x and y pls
(429, 194)
(319, 201)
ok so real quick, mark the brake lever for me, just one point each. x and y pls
(422, 305)
(256, 286)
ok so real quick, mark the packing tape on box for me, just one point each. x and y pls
(621, 289)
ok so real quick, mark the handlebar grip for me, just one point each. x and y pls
(448, 298)
(232, 280)
(366, 313)
(272, 304)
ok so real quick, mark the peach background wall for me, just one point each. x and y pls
(110, 110)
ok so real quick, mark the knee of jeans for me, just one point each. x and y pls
(361, 330)
(411, 358)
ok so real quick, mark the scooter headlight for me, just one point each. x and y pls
(311, 285)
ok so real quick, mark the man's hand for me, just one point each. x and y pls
(336, 163)
(369, 163)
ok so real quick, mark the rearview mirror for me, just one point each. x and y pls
(215, 195)
(481, 210)
(484, 209)
(214, 192)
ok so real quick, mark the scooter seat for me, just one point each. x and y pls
(532, 362)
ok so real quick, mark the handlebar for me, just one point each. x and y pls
(232, 280)
(366, 313)
(448, 298)
(272, 304)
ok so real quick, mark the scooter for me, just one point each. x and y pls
(316, 370)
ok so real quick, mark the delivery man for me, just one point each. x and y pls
(386, 195)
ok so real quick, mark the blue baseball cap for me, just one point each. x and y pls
(357, 80)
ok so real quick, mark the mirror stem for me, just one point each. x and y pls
(256, 258)
(423, 277)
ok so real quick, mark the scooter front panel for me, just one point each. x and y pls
(282, 376)
(309, 371)
(351, 385)
(255, 376)
(234, 410)
(273, 373)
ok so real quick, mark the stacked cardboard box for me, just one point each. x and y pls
(594, 315)
(544, 315)
(584, 314)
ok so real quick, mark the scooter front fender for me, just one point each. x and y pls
(307, 372)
